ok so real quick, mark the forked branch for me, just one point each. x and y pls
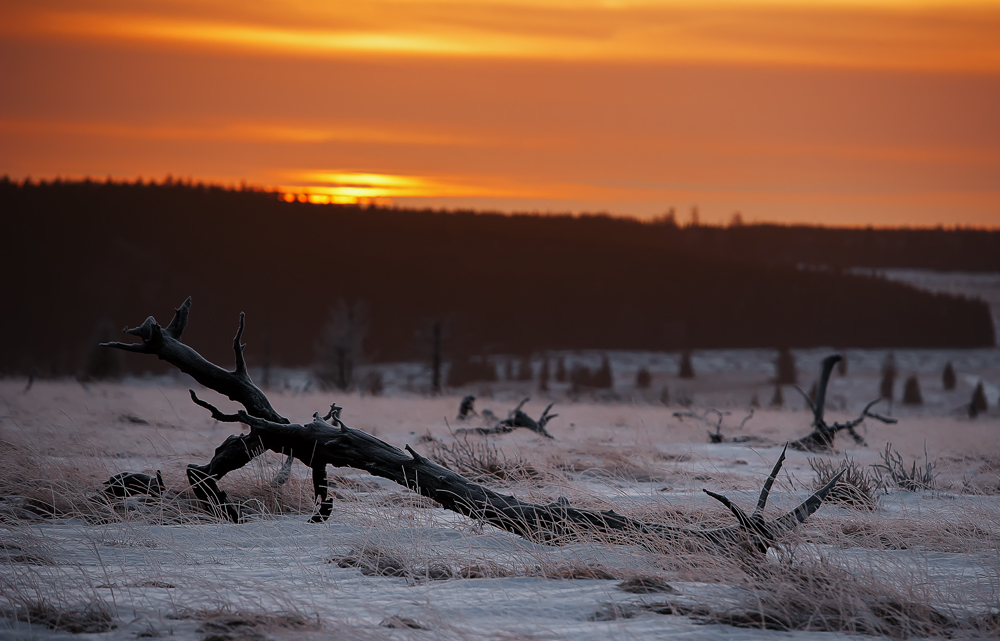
(821, 438)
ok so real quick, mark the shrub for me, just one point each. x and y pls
(778, 400)
(687, 369)
(543, 376)
(948, 379)
(978, 405)
(911, 392)
(643, 379)
(561, 370)
(889, 373)
(524, 372)
(784, 366)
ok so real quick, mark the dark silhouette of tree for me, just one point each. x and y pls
(561, 370)
(778, 400)
(643, 379)
(687, 369)
(414, 265)
(543, 375)
(665, 396)
(436, 358)
(341, 348)
(978, 404)
(911, 392)
(784, 366)
(889, 373)
(948, 379)
(603, 378)
(524, 372)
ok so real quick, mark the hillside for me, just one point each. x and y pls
(87, 255)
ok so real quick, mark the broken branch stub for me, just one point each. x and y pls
(329, 441)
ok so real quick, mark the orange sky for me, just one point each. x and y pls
(841, 112)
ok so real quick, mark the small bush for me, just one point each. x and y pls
(561, 370)
(784, 366)
(978, 404)
(687, 369)
(778, 400)
(948, 379)
(643, 379)
(911, 392)
(524, 372)
(889, 373)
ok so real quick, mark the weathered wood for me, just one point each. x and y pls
(821, 438)
(328, 441)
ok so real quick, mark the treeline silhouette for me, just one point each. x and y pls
(82, 255)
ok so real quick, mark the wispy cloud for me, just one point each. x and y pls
(853, 34)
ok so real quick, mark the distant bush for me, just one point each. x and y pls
(543, 375)
(911, 392)
(561, 370)
(524, 372)
(665, 395)
(581, 377)
(889, 374)
(784, 365)
(643, 379)
(978, 405)
(687, 369)
(948, 379)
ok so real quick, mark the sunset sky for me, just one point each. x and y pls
(838, 112)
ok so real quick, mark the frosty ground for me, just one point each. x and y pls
(390, 564)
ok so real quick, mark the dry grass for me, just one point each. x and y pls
(803, 590)
(892, 471)
(857, 488)
(817, 596)
(481, 461)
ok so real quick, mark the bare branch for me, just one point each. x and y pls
(179, 322)
(238, 347)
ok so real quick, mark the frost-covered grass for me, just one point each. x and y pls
(390, 564)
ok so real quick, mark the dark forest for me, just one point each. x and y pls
(81, 257)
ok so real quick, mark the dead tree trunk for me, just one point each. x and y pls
(821, 438)
(328, 441)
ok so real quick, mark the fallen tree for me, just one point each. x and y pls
(821, 438)
(327, 440)
(515, 418)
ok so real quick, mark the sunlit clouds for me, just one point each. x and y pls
(845, 112)
(887, 34)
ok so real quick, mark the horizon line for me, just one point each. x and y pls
(288, 196)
